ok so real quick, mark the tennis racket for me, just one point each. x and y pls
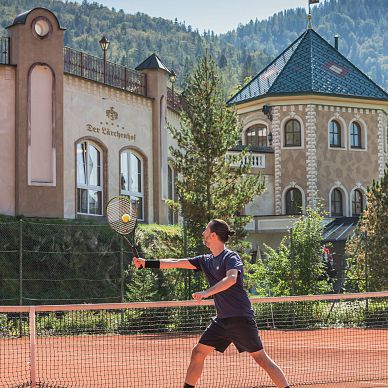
(121, 216)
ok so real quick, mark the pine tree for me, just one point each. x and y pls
(209, 185)
(368, 249)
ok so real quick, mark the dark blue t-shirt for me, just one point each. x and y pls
(234, 301)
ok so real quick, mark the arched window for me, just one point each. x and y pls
(172, 217)
(357, 202)
(256, 135)
(293, 201)
(336, 203)
(89, 179)
(335, 134)
(292, 134)
(131, 180)
(355, 135)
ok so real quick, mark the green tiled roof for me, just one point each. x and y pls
(310, 65)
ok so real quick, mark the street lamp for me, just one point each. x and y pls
(104, 44)
(172, 77)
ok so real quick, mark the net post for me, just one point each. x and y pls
(32, 325)
(20, 262)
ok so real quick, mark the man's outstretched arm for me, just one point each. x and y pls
(163, 264)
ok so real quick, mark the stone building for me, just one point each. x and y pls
(317, 130)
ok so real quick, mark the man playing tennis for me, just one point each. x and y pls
(235, 321)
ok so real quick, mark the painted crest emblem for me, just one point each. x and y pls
(112, 114)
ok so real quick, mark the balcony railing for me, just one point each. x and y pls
(175, 101)
(252, 159)
(4, 50)
(91, 67)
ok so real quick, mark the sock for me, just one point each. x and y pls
(188, 386)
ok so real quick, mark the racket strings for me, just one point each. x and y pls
(115, 210)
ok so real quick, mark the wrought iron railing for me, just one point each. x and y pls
(4, 50)
(88, 66)
(175, 101)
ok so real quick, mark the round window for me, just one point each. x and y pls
(41, 27)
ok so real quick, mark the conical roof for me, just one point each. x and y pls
(310, 65)
(153, 62)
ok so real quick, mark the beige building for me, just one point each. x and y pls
(76, 130)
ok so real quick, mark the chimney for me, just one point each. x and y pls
(336, 37)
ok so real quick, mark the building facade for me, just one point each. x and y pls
(77, 130)
(320, 124)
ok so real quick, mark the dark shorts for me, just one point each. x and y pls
(242, 331)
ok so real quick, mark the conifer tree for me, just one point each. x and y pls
(368, 249)
(210, 184)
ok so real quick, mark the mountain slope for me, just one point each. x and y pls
(361, 24)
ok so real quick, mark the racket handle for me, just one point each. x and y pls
(136, 254)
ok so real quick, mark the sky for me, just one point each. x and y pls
(217, 15)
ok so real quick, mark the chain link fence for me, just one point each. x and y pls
(61, 263)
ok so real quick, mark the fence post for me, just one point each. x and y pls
(20, 262)
(121, 270)
(32, 325)
(366, 263)
(292, 263)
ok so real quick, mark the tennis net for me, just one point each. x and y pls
(315, 339)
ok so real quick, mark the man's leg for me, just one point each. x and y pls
(198, 355)
(276, 374)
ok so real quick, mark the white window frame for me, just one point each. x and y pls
(88, 186)
(345, 200)
(132, 194)
(282, 131)
(364, 137)
(292, 185)
(344, 134)
(363, 190)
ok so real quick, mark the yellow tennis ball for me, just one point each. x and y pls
(125, 218)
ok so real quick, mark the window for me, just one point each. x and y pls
(131, 180)
(89, 179)
(335, 134)
(357, 203)
(256, 136)
(292, 134)
(293, 201)
(355, 135)
(336, 203)
(172, 217)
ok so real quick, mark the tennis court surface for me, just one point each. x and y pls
(319, 341)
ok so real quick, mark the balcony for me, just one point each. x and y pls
(252, 159)
(90, 67)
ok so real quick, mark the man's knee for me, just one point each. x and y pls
(261, 358)
(200, 352)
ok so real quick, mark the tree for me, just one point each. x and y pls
(210, 184)
(296, 267)
(367, 250)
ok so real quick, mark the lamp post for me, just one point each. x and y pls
(104, 44)
(172, 78)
